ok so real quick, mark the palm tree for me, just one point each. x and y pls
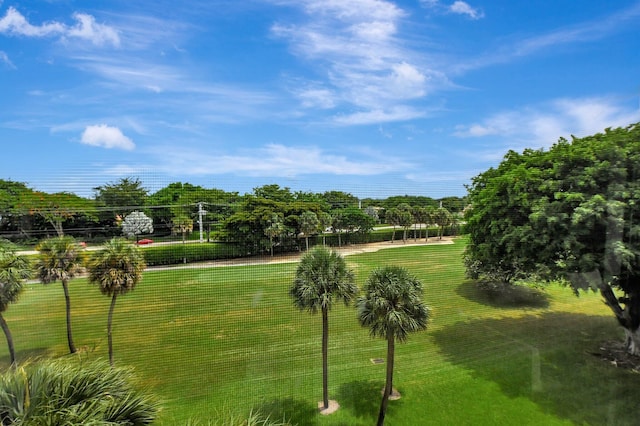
(66, 392)
(308, 225)
(429, 213)
(324, 222)
(442, 218)
(116, 269)
(60, 260)
(275, 229)
(392, 308)
(321, 277)
(14, 269)
(392, 217)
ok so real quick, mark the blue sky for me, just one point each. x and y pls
(371, 97)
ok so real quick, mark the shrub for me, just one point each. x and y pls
(63, 392)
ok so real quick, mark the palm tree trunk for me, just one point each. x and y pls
(388, 388)
(109, 321)
(325, 345)
(307, 241)
(67, 299)
(7, 333)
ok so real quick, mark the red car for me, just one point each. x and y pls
(145, 241)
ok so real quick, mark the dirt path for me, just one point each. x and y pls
(346, 250)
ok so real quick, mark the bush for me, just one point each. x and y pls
(172, 254)
(63, 392)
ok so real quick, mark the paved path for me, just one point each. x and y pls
(346, 250)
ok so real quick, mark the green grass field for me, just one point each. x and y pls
(228, 340)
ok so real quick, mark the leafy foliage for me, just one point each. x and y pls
(59, 392)
(121, 197)
(570, 212)
(56, 208)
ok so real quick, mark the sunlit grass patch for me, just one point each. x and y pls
(231, 337)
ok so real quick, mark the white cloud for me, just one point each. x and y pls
(88, 29)
(105, 136)
(274, 160)
(357, 45)
(14, 23)
(457, 7)
(399, 113)
(4, 59)
(463, 8)
(317, 98)
(542, 125)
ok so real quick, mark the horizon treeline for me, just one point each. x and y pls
(29, 214)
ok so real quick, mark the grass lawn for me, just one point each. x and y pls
(228, 340)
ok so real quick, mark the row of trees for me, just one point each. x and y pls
(405, 216)
(391, 306)
(116, 270)
(176, 208)
(569, 213)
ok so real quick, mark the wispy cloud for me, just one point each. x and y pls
(4, 59)
(105, 136)
(358, 47)
(463, 8)
(272, 160)
(13, 23)
(542, 125)
(580, 33)
(457, 7)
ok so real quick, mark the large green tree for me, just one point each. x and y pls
(569, 213)
(322, 277)
(57, 209)
(392, 307)
(14, 269)
(177, 199)
(122, 197)
(60, 260)
(10, 195)
(116, 270)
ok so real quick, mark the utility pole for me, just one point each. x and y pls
(201, 213)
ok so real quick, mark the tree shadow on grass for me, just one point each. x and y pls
(25, 356)
(294, 411)
(362, 398)
(550, 360)
(514, 296)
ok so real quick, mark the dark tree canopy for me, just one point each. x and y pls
(571, 212)
(121, 197)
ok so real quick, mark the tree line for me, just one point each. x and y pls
(270, 217)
